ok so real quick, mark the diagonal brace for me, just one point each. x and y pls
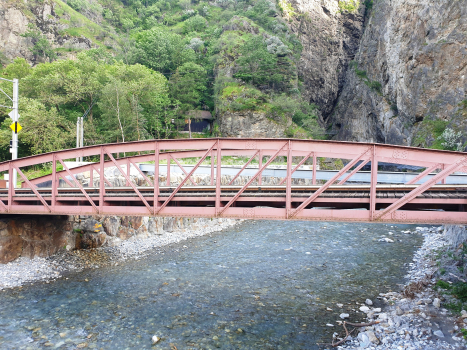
(33, 188)
(186, 178)
(183, 169)
(423, 174)
(5, 209)
(362, 164)
(78, 184)
(141, 173)
(128, 180)
(329, 183)
(298, 166)
(252, 179)
(60, 175)
(105, 179)
(422, 188)
(238, 174)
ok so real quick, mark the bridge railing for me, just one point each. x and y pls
(174, 151)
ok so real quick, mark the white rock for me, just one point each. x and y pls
(368, 302)
(344, 316)
(383, 316)
(464, 314)
(340, 305)
(439, 334)
(436, 303)
(385, 239)
(364, 309)
(155, 339)
(329, 325)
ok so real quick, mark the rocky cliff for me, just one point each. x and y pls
(65, 30)
(407, 82)
(330, 37)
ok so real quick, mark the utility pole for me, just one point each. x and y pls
(80, 129)
(14, 148)
(79, 135)
(15, 127)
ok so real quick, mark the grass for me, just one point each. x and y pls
(430, 129)
(348, 5)
(79, 24)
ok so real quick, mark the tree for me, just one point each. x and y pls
(133, 102)
(161, 50)
(262, 68)
(188, 86)
(44, 130)
(41, 46)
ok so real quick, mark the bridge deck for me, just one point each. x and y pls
(441, 197)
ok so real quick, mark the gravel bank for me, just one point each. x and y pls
(24, 270)
(413, 324)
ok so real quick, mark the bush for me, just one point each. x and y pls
(348, 5)
(194, 24)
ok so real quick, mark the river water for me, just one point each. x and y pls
(257, 285)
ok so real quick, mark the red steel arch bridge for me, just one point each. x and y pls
(432, 201)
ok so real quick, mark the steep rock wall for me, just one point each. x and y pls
(409, 73)
(16, 18)
(330, 38)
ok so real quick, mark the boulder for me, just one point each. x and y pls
(111, 225)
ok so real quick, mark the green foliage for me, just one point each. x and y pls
(19, 69)
(300, 112)
(428, 133)
(194, 24)
(348, 5)
(44, 130)
(464, 333)
(240, 97)
(161, 50)
(373, 85)
(41, 46)
(369, 4)
(443, 284)
(264, 69)
(132, 103)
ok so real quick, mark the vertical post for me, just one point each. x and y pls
(168, 170)
(77, 136)
(218, 178)
(260, 164)
(101, 182)
(314, 169)
(443, 181)
(54, 182)
(374, 181)
(128, 169)
(288, 197)
(156, 177)
(14, 148)
(82, 136)
(91, 178)
(212, 168)
(11, 188)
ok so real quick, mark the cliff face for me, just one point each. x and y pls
(44, 17)
(330, 38)
(408, 82)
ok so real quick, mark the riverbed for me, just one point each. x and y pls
(257, 285)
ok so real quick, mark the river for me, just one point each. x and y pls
(257, 285)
